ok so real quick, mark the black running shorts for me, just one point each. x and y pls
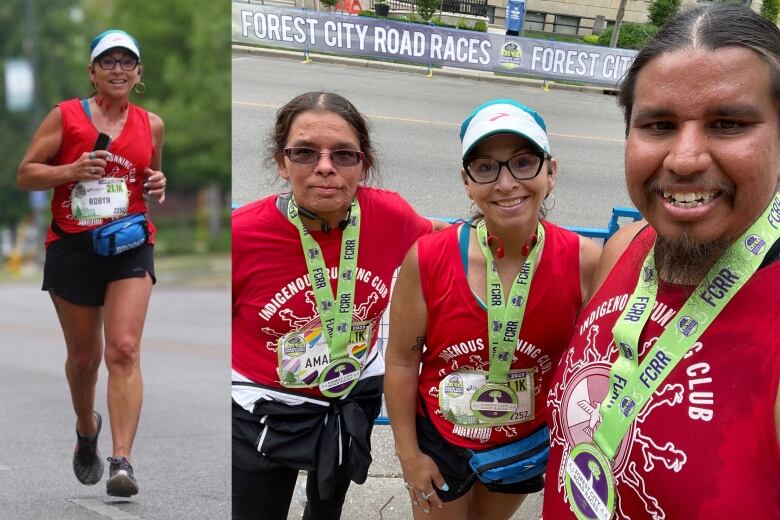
(80, 276)
(453, 463)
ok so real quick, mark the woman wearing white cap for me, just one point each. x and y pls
(102, 156)
(480, 315)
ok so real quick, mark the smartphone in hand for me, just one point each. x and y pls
(102, 142)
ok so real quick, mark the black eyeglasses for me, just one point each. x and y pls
(108, 62)
(523, 166)
(343, 158)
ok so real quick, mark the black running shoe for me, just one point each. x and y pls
(121, 482)
(87, 464)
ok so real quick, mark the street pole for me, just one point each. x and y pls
(618, 22)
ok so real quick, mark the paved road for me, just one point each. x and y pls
(182, 451)
(416, 122)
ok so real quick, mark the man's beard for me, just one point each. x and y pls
(682, 260)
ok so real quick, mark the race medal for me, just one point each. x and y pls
(99, 199)
(339, 377)
(456, 392)
(494, 403)
(590, 487)
(303, 353)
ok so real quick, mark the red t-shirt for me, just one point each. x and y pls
(131, 152)
(457, 333)
(705, 444)
(272, 294)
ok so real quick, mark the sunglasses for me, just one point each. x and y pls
(342, 158)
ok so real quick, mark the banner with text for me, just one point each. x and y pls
(428, 45)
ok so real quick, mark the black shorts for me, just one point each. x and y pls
(80, 276)
(453, 463)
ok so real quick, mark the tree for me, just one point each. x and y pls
(427, 8)
(632, 35)
(55, 37)
(185, 51)
(770, 9)
(661, 10)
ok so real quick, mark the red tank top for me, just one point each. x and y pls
(457, 335)
(131, 152)
(705, 444)
(272, 293)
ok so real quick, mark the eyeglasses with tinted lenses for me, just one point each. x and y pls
(109, 62)
(522, 166)
(343, 158)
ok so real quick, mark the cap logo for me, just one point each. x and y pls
(498, 116)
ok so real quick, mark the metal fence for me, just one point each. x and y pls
(470, 7)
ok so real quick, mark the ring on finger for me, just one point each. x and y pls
(92, 156)
(426, 496)
(92, 171)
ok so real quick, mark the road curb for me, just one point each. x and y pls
(416, 69)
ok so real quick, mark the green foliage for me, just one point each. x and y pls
(632, 35)
(61, 56)
(661, 10)
(427, 8)
(185, 48)
(186, 52)
(770, 10)
(329, 3)
(481, 26)
(592, 39)
(462, 24)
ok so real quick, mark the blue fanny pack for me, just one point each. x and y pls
(514, 462)
(111, 239)
(121, 235)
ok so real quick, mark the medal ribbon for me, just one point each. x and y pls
(631, 385)
(335, 314)
(505, 319)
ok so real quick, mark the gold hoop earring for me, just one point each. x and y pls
(550, 197)
(140, 87)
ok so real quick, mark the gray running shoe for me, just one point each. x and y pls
(87, 464)
(121, 482)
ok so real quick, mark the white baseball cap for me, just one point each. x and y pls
(503, 116)
(111, 39)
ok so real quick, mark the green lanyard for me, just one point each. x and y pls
(335, 314)
(505, 319)
(631, 385)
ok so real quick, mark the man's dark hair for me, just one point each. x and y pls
(707, 28)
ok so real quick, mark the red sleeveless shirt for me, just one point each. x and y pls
(457, 333)
(131, 152)
(705, 444)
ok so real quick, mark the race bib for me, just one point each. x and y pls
(458, 405)
(303, 354)
(103, 198)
